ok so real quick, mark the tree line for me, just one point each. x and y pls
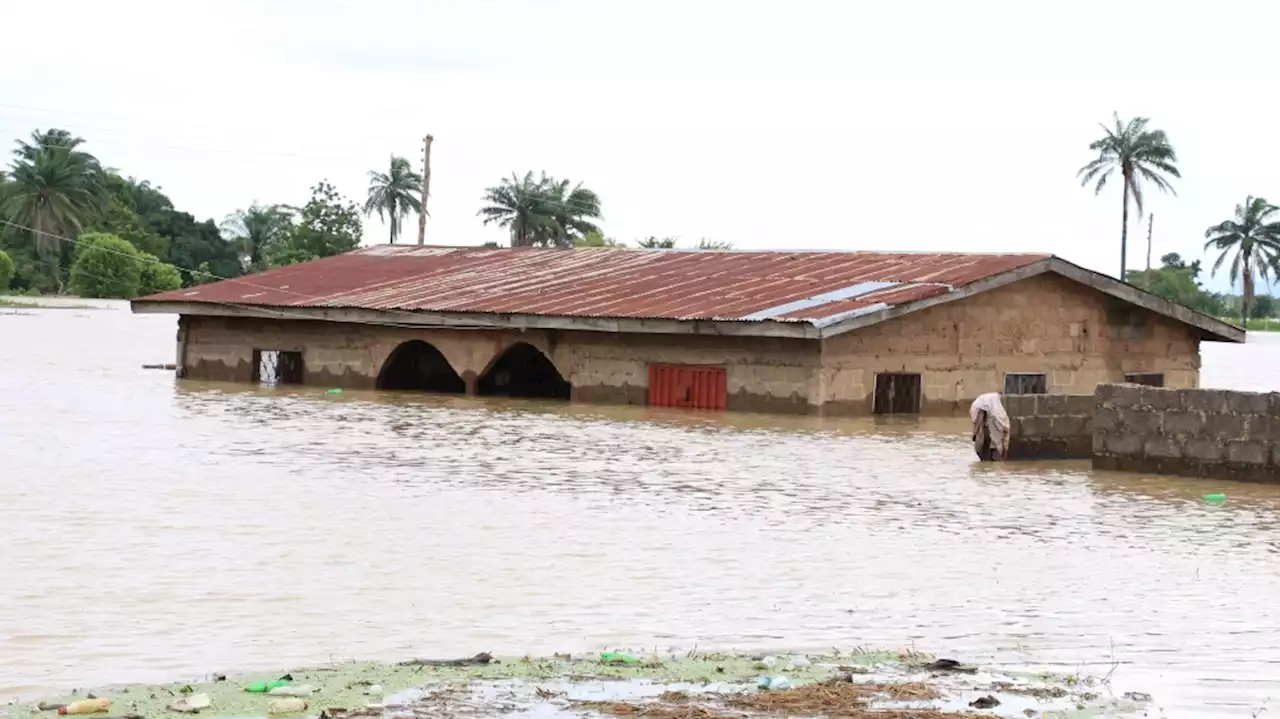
(72, 225)
(1137, 156)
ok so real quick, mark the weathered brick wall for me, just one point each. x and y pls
(1193, 432)
(1050, 426)
(1075, 335)
(762, 374)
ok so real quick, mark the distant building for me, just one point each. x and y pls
(820, 332)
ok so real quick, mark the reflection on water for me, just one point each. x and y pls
(154, 531)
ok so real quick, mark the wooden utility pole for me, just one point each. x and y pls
(426, 189)
(1151, 220)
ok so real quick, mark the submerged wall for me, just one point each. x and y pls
(1050, 426)
(1191, 432)
(762, 374)
(1198, 433)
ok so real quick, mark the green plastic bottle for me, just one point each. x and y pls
(618, 658)
(264, 687)
(1215, 498)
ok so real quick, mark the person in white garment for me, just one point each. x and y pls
(990, 427)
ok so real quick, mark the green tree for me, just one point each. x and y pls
(1178, 281)
(7, 269)
(544, 212)
(199, 246)
(1252, 240)
(657, 243)
(394, 194)
(596, 238)
(1139, 155)
(1264, 306)
(156, 276)
(105, 266)
(705, 244)
(54, 188)
(327, 225)
(256, 232)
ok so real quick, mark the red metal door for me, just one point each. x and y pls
(687, 386)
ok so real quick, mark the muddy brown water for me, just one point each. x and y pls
(154, 530)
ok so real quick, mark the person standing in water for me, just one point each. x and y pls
(990, 427)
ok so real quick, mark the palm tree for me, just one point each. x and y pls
(394, 194)
(516, 204)
(255, 231)
(1140, 155)
(544, 212)
(1254, 235)
(572, 210)
(53, 190)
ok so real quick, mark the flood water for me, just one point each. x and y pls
(154, 530)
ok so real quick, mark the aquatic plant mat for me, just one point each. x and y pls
(857, 685)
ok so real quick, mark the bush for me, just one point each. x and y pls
(7, 269)
(105, 266)
(156, 276)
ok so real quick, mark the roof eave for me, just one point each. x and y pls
(483, 320)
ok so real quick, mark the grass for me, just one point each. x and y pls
(11, 303)
(1256, 324)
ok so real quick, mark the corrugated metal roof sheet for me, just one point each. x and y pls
(816, 287)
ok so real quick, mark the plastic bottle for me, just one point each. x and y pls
(618, 658)
(264, 687)
(288, 705)
(293, 690)
(86, 706)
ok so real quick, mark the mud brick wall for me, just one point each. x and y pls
(1191, 432)
(1050, 426)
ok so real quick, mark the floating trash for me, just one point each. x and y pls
(1215, 498)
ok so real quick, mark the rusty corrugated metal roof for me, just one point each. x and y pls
(815, 287)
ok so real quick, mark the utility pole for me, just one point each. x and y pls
(1151, 220)
(426, 189)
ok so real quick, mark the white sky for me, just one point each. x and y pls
(798, 125)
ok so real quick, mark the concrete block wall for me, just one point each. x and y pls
(1191, 432)
(1050, 426)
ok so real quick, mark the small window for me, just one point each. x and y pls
(1150, 379)
(273, 367)
(1025, 383)
(897, 393)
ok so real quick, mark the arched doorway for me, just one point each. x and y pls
(523, 371)
(416, 365)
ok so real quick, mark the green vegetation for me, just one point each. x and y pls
(105, 266)
(1252, 240)
(394, 194)
(1140, 155)
(542, 212)
(56, 197)
(6, 271)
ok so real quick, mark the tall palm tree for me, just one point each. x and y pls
(1140, 155)
(51, 191)
(571, 209)
(394, 194)
(255, 231)
(545, 211)
(515, 203)
(1254, 235)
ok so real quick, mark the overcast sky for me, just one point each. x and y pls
(797, 125)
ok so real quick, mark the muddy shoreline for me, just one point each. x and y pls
(889, 685)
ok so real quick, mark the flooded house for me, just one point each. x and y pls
(801, 332)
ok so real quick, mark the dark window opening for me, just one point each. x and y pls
(1025, 383)
(416, 365)
(273, 367)
(897, 393)
(1150, 379)
(523, 371)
